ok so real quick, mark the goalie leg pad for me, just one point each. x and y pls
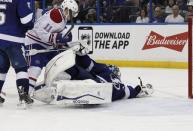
(83, 92)
(45, 94)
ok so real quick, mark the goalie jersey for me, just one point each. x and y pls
(43, 35)
(16, 17)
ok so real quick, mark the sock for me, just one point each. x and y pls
(22, 79)
(34, 73)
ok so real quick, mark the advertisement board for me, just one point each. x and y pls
(135, 43)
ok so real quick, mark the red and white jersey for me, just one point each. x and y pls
(46, 28)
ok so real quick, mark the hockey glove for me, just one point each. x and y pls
(61, 40)
(80, 47)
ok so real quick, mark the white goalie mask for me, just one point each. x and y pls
(70, 5)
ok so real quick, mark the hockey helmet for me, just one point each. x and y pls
(190, 3)
(70, 5)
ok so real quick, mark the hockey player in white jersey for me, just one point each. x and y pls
(48, 34)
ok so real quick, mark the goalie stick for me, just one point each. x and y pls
(72, 24)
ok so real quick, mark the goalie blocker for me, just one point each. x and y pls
(59, 89)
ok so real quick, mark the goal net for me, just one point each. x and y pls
(190, 58)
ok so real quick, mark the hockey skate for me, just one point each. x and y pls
(24, 98)
(146, 90)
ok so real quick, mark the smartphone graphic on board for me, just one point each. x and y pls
(86, 33)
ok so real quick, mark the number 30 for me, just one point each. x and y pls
(2, 14)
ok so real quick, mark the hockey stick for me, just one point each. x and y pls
(140, 81)
(34, 51)
(72, 24)
(76, 47)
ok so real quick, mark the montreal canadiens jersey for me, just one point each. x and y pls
(45, 29)
(16, 17)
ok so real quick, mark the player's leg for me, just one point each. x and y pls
(111, 73)
(90, 65)
(36, 63)
(121, 91)
(78, 73)
(34, 73)
(45, 94)
(19, 63)
(4, 67)
(95, 68)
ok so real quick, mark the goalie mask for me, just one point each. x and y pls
(69, 6)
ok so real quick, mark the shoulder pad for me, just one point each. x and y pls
(55, 15)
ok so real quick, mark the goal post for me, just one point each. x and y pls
(190, 28)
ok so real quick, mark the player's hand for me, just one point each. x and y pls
(61, 40)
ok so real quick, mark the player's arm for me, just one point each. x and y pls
(59, 38)
(54, 39)
(80, 47)
(54, 21)
(25, 13)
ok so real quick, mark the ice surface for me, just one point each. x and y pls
(168, 109)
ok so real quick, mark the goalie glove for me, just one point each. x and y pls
(80, 47)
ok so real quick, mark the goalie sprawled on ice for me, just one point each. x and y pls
(58, 86)
(71, 76)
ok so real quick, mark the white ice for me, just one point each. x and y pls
(169, 109)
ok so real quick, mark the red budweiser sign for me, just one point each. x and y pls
(174, 42)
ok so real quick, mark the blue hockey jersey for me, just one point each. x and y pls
(16, 17)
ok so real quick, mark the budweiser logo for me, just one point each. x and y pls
(174, 42)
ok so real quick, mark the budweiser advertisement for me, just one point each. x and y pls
(174, 42)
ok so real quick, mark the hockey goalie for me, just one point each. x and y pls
(59, 87)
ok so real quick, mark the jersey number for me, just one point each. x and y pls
(48, 27)
(2, 14)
